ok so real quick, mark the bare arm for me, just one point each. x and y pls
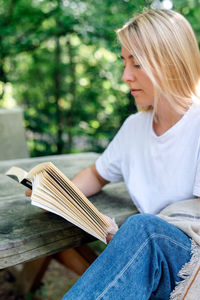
(89, 181)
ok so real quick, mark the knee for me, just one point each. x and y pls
(146, 222)
(141, 219)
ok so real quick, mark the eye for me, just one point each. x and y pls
(137, 66)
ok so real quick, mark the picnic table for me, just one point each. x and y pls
(27, 233)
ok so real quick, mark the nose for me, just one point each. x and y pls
(128, 75)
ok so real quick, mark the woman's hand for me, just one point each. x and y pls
(109, 237)
(112, 229)
(28, 193)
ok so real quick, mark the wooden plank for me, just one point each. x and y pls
(27, 233)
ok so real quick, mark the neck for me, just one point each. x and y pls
(166, 117)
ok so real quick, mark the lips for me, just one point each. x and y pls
(135, 91)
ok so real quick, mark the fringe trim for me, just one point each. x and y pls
(186, 273)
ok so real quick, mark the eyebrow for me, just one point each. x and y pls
(130, 56)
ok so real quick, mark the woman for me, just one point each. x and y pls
(156, 153)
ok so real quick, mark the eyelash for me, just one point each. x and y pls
(135, 66)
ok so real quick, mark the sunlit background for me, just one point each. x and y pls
(59, 62)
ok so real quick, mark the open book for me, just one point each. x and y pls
(53, 191)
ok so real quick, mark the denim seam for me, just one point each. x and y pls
(135, 256)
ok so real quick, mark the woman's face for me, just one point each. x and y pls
(140, 84)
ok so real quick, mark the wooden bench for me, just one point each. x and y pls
(29, 234)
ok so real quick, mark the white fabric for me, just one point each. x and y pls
(157, 170)
(186, 216)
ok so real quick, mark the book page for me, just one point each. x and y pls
(42, 198)
(65, 205)
(74, 202)
(53, 191)
(51, 168)
(20, 176)
(70, 187)
(16, 173)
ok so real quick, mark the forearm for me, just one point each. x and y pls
(89, 181)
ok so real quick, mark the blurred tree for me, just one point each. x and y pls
(61, 57)
(49, 52)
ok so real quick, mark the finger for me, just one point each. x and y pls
(28, 193)
(109, 237)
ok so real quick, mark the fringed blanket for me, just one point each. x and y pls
(186, 216)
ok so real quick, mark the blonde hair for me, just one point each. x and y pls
(164, 44)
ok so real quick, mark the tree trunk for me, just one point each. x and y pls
(57, 81)
(72, 90)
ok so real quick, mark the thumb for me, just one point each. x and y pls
(28, 193)
(109, 237)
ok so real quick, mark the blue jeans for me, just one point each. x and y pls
(141, 262)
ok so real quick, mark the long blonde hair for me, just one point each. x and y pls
(164, 44)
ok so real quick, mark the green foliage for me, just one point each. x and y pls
(59, 60)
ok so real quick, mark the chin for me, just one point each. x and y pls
(143, 104)
(142, 107)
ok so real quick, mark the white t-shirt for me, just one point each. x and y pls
(157, 170)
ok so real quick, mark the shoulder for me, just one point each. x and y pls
(137, 119)
(134, 125)
(194, 110)
(192, 117)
